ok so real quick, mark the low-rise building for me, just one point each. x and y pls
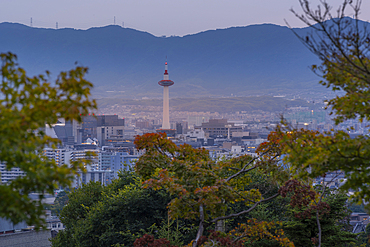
(219, 128)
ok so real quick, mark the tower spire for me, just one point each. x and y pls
(166, 76)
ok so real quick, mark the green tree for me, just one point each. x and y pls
(170, 230)
(79, 203)
(60, 201)
(363, 238)
(26, 105)
(110, 215)
(306, 201)
(273, 210)
(301, 223)
(356, 208)
(342, 44)
(75, 212)
(202, 187)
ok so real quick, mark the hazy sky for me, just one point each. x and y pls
(159, 17)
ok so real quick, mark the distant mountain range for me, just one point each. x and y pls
(257, 59)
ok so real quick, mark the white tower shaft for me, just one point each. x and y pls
(166, 83)
(166, 108)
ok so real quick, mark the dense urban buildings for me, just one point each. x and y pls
(110, 135)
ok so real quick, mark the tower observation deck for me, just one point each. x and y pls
(166, 83)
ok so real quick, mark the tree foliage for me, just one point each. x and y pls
(305, 201)
(26, 105)
(176, 231)
(273, 210)
(301, 223)
(250, 233)
(110, 215)
(343, 45)
(60, 201)
(149, 241)
(201, 186)
(363, 238)
(125, 214)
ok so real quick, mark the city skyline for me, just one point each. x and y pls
(165, 17)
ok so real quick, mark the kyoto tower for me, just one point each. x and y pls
(166, 83)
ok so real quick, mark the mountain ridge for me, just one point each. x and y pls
(256, 59)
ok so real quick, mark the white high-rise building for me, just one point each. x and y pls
(56, 154)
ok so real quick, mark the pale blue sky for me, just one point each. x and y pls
(159, 17)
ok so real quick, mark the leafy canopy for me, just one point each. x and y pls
(343, 45)
(301, 223)
(194, 177)
(26, 105)
(115, 214)
(202, 187)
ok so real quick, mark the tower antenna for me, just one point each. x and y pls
(56, 25)
(31, 21)
(114, 20)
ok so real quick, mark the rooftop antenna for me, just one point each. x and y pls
(56, 25)
(31, 21)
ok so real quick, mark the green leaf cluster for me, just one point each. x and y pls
(336, 230)
(312, 154)
(60, 201)
(343, 45)
(195, 179)
(99, 215)
(27, 104)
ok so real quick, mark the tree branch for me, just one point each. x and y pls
(245, 211)
(244, 169)
(201, 226)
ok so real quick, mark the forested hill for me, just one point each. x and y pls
(239, 61)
